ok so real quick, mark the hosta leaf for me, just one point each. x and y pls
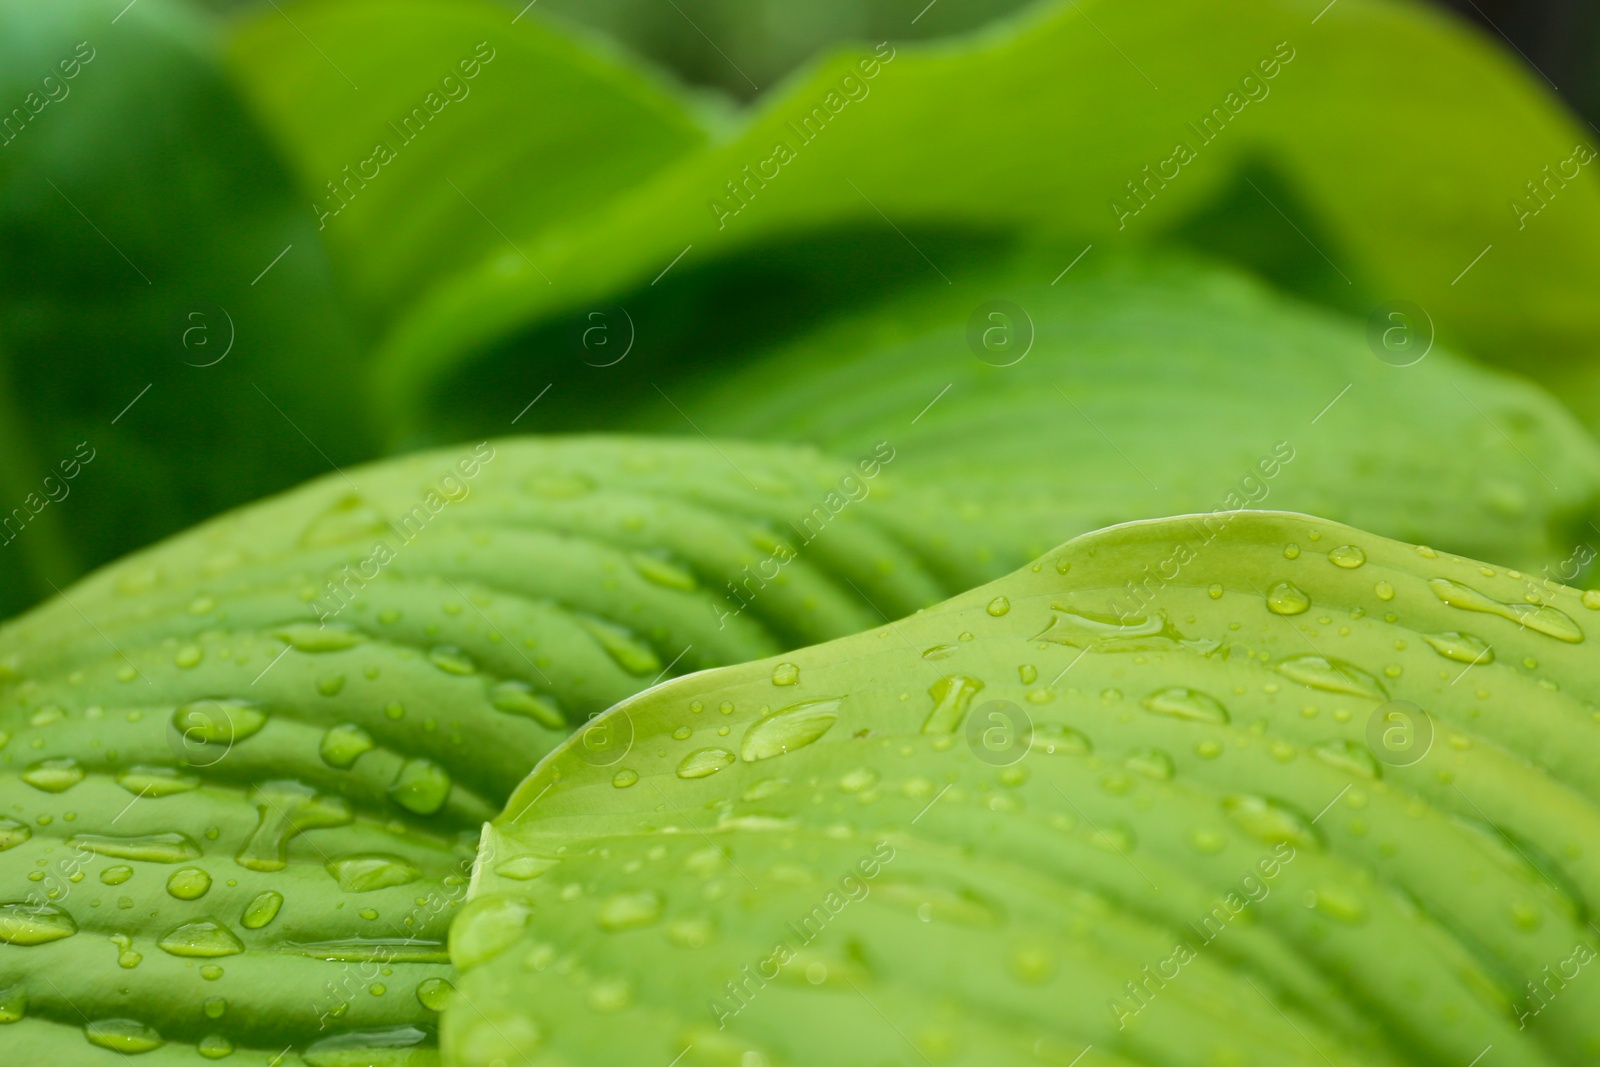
(1374, 121)
(142, 325)
(1261, 789)
(250, 764)
(417, 174)
(1144, 387)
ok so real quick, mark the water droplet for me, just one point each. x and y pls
(189, 883)
(789, 728)
(626, 650)
(283, 810)
(952, 696)
(343, 744)
(1332, 676)
(370, 949)
(116, 875)
(1347, 556)
(34, 924)
(348, 519)
(1463, 648)
(1150, 762)
(54, 775)
(188, 656)
(518, 698)
(127, 1036)
(335, 637)
(262, 910)
(392, 1047)
(1291, 551)
(705, 762)
(13, 1004)
(610, 995)
(1285, 598)
(217, 722)
(1214, 591)
(931, 902)
(1182, 703)
(1591, 599)
(214, 1007)
(201, 939)
(858, 780)
(434, 993)
(146, 848)
(660, 572)
(13, 833)
(451, 660)
(367, 871)
(1206, 841)
(421, 786)
(1540, 618)
(785, 674)
(156, 781)
(1059, 739)
(998, 606)
(1271, 821)
(624, 778)
(214, 1047)
(1350, 756)
(626, 911)
(127, 958)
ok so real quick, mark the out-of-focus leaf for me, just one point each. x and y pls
(1141, 387)
(1400, 132)
(157, 370)
(1264, 790)
(431, 135)
(250, 764)
(742, 46)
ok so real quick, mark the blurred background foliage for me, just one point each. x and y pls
(186, 172)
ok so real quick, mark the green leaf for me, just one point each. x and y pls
(1259, 788)
(154, 272)
(1141, 386)
(1401, 134)
(425, 132)
(250, 764)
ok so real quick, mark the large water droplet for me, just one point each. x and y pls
(626, 650)
(1463, 648)
(1540, 618)
(1151, 762)
(705, 762)
(330, 637)
(262, 910)
(1182, 703)
(214, 1047)
(127, 1036)
(364, 872)
(422, 786)
(392, 1047)
(13, 1004)
(217, 722)
(189, 883)
(1059, 739)
(1350, 756)
(952, 696)
(149, 848)
(342, 745)
(54, 775)
(518, 698)
(201, 939)
(156, 781)
(283, 810)
(789, 728)
(127, 958)
(785, 674)
(13, 833)
(34, 924)
(1286, 598)
(1332, 676)
(434, 993)
(1271, 821)
(1347, 556)
(369, 949)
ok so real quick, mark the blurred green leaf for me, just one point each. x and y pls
(165, 308)
(1400, 133)
(1139, 386)
(1246, 817)
(467, 132)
